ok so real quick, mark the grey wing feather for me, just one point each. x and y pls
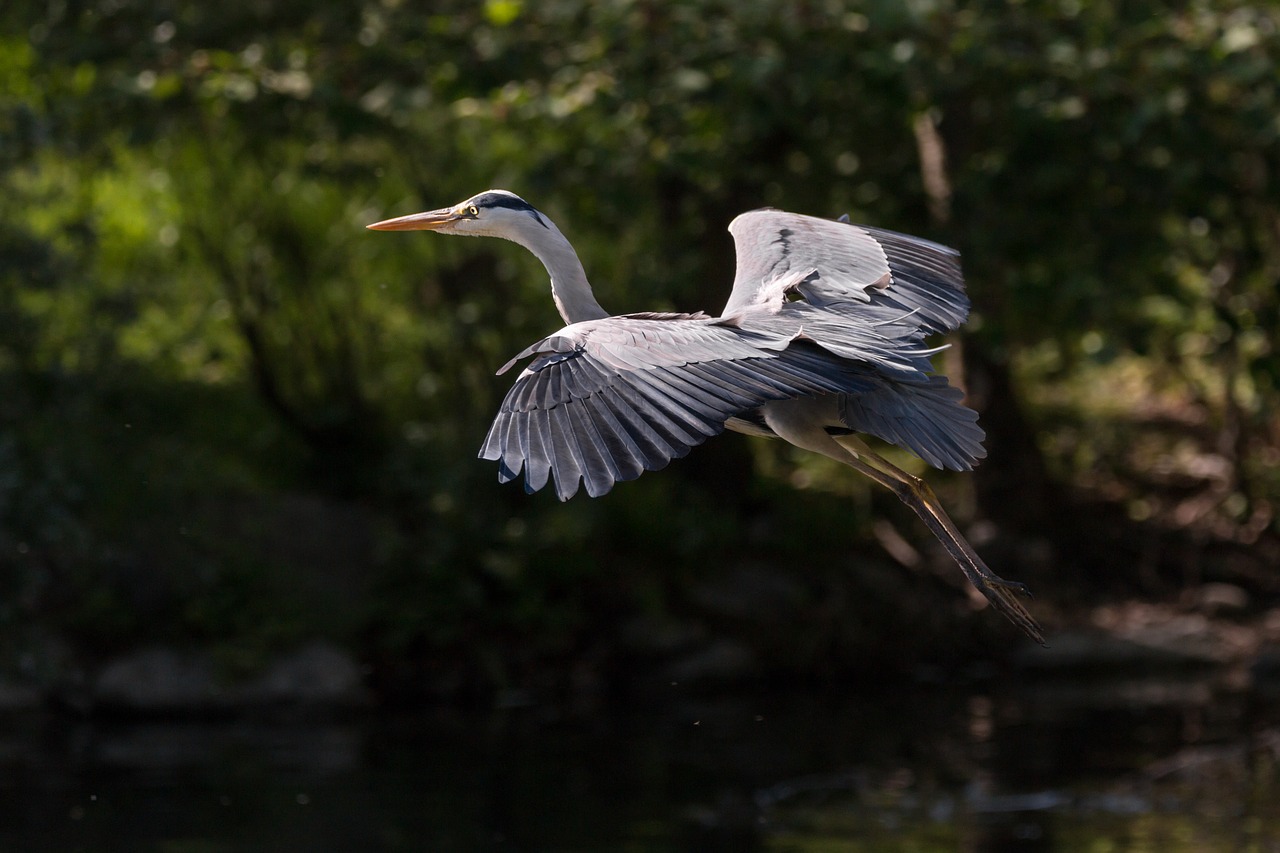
(607, 400)
(869, 298)
(852, 266)
(925, 416)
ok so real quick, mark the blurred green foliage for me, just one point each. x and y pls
(195, 329)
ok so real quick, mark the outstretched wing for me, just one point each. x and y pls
(608, 399)
(852, 265)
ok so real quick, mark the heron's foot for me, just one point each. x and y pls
(1004, 596)
(1013, 586)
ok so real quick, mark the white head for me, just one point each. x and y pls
(498, 213)
(492, 213)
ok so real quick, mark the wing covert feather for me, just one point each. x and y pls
(854, 265)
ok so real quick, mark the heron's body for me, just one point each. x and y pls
(822, 338)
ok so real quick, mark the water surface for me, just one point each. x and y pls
(1065, 764)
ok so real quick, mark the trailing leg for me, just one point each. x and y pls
(802, 423)
(917, 494)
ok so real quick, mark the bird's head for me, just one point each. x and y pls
(492, 213)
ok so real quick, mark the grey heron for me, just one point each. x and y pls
(823, 338)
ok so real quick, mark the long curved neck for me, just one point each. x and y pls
(569, 286)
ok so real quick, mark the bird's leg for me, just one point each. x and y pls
(918, 495)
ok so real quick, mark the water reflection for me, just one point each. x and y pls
(1047, 765)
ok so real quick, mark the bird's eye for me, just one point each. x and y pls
(473, 210)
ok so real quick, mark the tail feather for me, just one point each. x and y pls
(927, 417)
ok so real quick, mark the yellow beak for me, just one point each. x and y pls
(428, 221)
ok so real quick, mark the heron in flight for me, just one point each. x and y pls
(823, 338)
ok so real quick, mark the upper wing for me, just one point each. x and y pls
(609, 399)
(850, 264)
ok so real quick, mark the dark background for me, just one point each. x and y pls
(233, 423)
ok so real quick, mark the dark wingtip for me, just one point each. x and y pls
(505, 472)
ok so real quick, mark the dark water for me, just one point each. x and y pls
(1101, 766)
